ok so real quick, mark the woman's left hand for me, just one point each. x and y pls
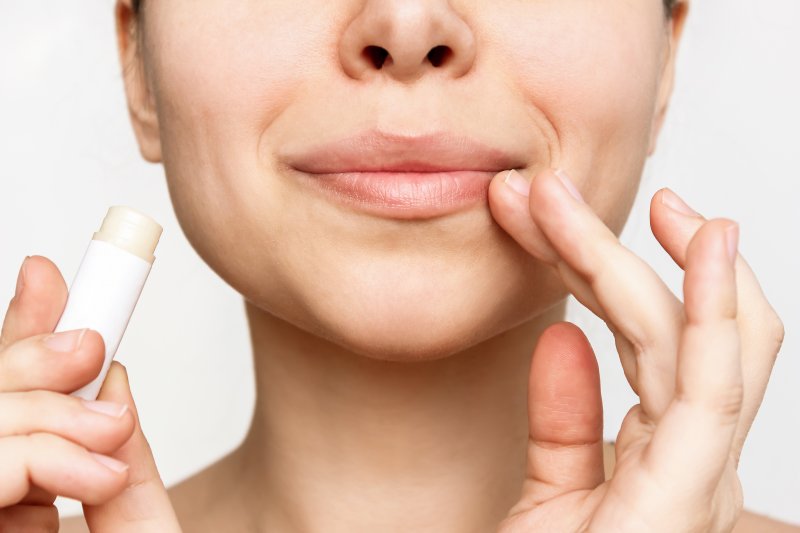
(699, 367)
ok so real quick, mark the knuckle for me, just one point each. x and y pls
(38, 440)
(599, 269)
(10, 374)
(778, 332)
(730, 503)
(40, 443)
(770, 331)
(769, 324)
(727, 403)
(738, 498)
(42, 402)
(39, 400)
(19, 361)
(49, 407)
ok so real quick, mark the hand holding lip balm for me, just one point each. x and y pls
(109, 281)
(53, 443)
(102, 297)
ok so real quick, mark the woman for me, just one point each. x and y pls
(396, 276)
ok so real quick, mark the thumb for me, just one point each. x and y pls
(144, 505)
(565, 417)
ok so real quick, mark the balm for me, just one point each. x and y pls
(109, 281)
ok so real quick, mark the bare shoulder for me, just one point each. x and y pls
(754, 523)
(73, 524)
(748, 523)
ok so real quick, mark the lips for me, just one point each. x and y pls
(403, 176)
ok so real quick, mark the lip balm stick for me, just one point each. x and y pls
(109, 281)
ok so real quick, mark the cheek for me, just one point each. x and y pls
(592, 68)
(217, 91)
(590, 72)
(203, 70)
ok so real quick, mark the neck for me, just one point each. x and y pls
(342, 442)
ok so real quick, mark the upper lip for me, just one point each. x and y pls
(379, 151)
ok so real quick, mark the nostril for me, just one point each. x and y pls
(438, 54)
(376, 55)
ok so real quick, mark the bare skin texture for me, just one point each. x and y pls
(418, 376)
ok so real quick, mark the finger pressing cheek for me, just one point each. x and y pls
(508, 202)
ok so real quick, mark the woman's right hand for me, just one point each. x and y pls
(52, 443)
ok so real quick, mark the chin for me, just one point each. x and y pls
(406, 334)
(410, 322)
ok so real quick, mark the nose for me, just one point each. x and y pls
(405, 39)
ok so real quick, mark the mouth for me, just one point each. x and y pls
(407, 177)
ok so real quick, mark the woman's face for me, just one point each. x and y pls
(226, 90)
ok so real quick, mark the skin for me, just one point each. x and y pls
(455, 427)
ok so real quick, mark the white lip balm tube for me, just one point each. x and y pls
(109, 281)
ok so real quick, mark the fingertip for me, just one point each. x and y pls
(38, 306)
(671, 217)
(115, 383)
(657, 207)
(88, 359)
(710, 241)
(118, 374)
(43, 275)
(502, 197)
(115, 465)
(116, 388)
(540, 182)
(673, 229)
(710, 282)
(564, 364)
(511, 211)
(674, 203)
(93, 341)
(567, 341)
(113, 479)
(565, 328)
(732, 241)
(556, 207)
(118, 368)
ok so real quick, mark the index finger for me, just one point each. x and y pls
(637, 304)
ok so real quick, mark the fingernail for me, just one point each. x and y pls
(573, 190)
(674, 202)
(21, 278)
(519, 184)
(65, 341)
(732, 239)
(107, 408)
(109, 462)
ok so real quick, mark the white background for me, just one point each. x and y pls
(67, 153)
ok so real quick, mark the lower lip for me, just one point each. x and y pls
(407, 195)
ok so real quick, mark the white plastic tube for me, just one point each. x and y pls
(109, 281)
